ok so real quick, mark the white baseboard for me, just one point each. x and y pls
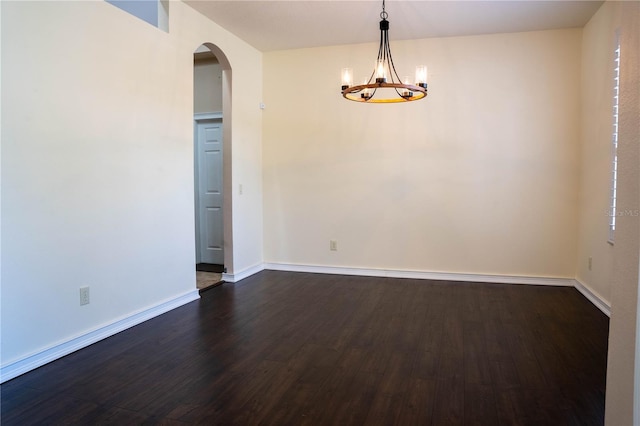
(600, 302)
(247, 272)
(591, 295)
(40, 358)
(421, 275)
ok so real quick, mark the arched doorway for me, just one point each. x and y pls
(212, 164)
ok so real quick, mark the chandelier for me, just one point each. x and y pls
(384, 84)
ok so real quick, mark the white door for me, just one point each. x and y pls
(209, 231)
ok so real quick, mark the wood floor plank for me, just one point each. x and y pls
(281, 348)
(418, 404)
(449, 402)
(480, 405)
(477, 362)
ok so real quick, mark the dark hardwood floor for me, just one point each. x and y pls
(283, 348)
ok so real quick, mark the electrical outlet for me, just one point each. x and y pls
(333, 245)
(590, 262)
(84, 295)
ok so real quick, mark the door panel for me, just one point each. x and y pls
(209, 192)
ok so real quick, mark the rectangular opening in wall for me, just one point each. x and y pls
(614, 141)
(155, 12)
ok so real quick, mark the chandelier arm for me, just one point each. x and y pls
(393, 67)
(372, 95)
(371, 76)
(403, 96)
(385, 53)
(380, 52)
(381, 47)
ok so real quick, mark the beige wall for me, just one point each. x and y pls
(595, 152)
(97, 165)
(623, 375)
(207, 77)
(614, 273)
(481, 177)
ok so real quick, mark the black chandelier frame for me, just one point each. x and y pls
(403, 92)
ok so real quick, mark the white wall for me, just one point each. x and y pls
(623, 377)
(614, 273)
(481, 177)
(595, 152)
(97, 165)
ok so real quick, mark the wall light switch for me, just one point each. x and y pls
(84, 296)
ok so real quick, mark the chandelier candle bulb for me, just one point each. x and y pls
(406, 93)
(347, 78)
(381, 75)
(421, 76)
(366, 92)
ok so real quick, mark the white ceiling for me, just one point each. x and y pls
(276, 25)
